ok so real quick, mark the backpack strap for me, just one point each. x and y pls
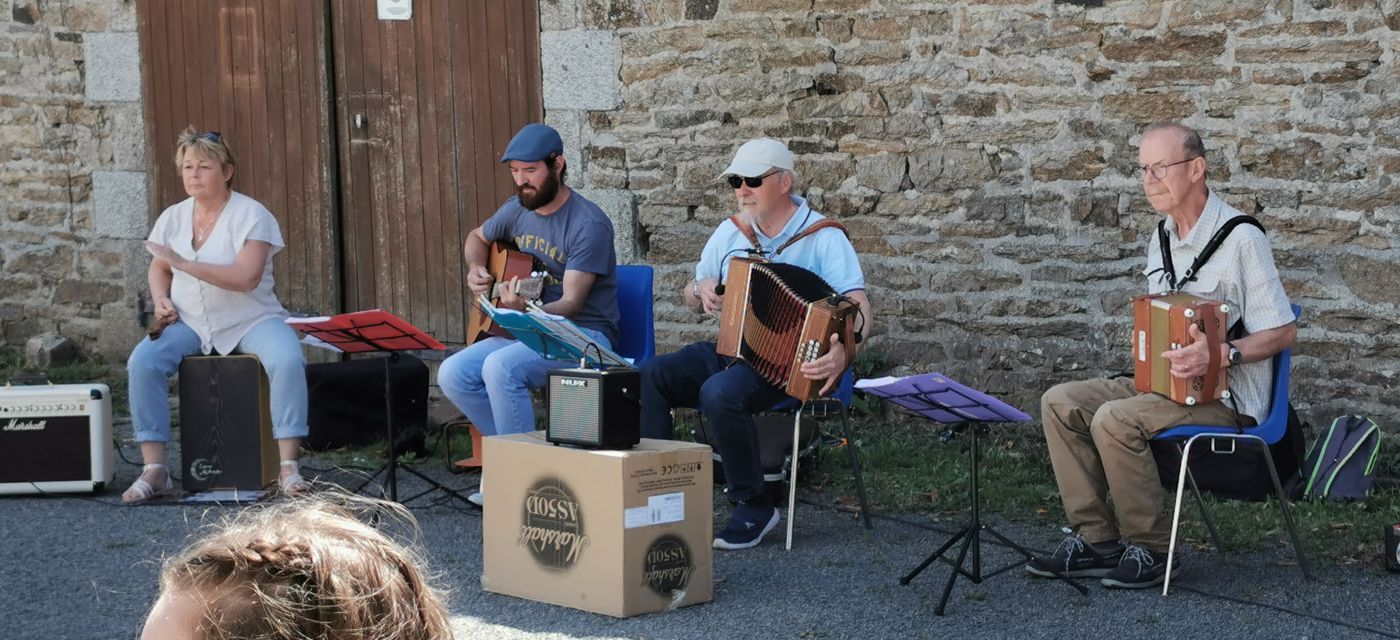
(1201, 258)
(747, 229)
(815, 227)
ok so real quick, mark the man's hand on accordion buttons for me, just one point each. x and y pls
(710, 301)
(1191, 360)
(829, 367)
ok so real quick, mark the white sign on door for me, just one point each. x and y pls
(395, 9)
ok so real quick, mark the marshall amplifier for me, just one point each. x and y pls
(56, 438)
(595, 409)
(225, 424)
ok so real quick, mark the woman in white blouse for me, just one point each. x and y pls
(211, 280)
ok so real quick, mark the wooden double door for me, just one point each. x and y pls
(376, 143)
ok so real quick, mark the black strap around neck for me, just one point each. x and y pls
(1164, 241)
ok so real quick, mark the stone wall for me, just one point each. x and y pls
(72, 173)
(981, 153)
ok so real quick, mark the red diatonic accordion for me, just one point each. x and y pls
(1162, 323)
(776, 317)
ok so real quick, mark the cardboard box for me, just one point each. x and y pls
(612, 532)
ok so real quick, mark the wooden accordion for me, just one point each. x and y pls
(1162, 323)
(776, 317)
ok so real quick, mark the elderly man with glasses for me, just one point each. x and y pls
(1097, 431)
(770, 217)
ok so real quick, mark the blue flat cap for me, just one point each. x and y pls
(534, 143)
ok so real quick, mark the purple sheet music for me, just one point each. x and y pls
(942, 399)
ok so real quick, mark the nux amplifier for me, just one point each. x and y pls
(225, 424)
(594, 408)
(56, 438)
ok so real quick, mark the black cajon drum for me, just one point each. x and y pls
(225, 424)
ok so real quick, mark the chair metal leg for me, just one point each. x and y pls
(1201, 502)
(1278, 490)
(1176, 511)
(792, 473)
(853, 454)
(1285, 510)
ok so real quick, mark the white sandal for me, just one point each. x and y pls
(292, 484)
(143, 491)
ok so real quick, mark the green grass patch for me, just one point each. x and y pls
(910, 468)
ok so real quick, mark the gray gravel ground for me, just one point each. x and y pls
(77, 567)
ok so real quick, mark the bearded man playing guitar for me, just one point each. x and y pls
(571, 240)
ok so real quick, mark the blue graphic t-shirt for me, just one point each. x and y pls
(577, 237)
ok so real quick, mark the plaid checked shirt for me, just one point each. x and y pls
(1241, 273)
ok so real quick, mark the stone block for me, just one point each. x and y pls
(881, 172)
(49, 350)
(1188, 13)
(938, 168)
(1302, 159)
(1084, 165)
(580, 70)
(1316, 51)
(121, 204)
(113, 67)
(1145, 108)
(620, 206)
(85, 292)
(1174, 47)
(558, 15)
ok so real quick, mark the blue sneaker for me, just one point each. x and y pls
(747, 527)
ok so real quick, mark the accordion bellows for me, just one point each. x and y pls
(777, 316)
(1162, 323)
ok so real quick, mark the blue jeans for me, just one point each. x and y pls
(729, 395)
(490, 382)
(152, 362)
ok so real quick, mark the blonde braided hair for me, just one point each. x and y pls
(309, 569)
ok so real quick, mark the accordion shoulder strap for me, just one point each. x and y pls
(747, 229)
(817, 226)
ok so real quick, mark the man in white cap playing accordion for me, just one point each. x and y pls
(776, 225)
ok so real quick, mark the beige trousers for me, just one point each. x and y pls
(1098, 432)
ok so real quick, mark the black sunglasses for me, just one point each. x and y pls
(212, 136)
(754, 183)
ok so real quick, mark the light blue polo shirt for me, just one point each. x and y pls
(827, 253)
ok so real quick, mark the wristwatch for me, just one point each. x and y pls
(1235, 357)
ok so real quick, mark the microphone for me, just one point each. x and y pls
(719, 289)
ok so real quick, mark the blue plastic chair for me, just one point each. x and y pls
(636, 326)
(1266, 433)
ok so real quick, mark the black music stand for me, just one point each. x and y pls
(377, 330)
(942, 399)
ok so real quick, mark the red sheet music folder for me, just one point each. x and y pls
(361, 331)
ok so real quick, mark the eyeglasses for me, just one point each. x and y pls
(212, 136)
(754, 183)
(1159, 170)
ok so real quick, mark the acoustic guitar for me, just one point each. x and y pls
(505, 262)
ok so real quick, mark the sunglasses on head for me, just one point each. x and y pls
(212, 136)
(754, 183)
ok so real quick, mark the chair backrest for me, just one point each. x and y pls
(636, 325)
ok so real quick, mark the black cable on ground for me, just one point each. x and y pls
(1201, 592)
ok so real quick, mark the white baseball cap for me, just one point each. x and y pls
(757, 157)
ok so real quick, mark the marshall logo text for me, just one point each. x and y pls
(32, 425)
(552, 527)
(668, 565)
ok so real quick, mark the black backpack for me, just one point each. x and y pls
(1342, 464)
